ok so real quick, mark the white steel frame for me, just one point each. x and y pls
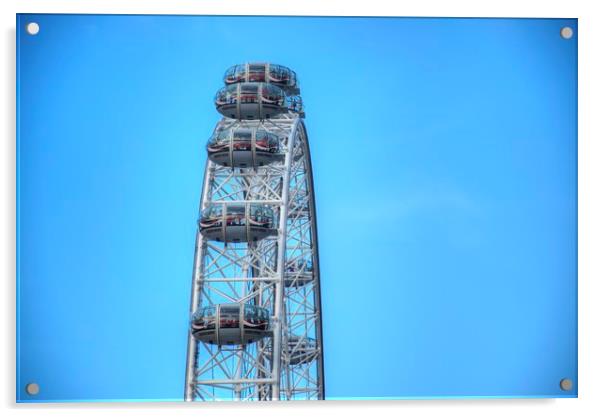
(256, 272)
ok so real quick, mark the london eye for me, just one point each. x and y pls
(255, 311)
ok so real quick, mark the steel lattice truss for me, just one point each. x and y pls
(279, 273)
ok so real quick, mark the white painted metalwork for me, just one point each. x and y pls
(279, 272)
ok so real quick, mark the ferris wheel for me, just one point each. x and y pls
(255, 313)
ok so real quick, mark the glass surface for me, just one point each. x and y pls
(445, 172)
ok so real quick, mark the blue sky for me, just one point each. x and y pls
(444, 155)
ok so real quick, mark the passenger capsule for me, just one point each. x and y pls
(251, 101)
(257, 72)
(297, 274)
(241, 148)
(235, 222)
(301, 349)
(230, 324)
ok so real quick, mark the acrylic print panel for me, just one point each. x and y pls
(441, 188)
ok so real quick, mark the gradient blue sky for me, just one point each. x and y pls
(444, 153)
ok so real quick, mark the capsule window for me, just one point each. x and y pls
(236, 210)
(243, 135)
(248, 93)
(219, 138)
(235, 74)
(271, 94)
(229, 75)
(223, 135)
(256, 73)
(214, 211)
(255, 211)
